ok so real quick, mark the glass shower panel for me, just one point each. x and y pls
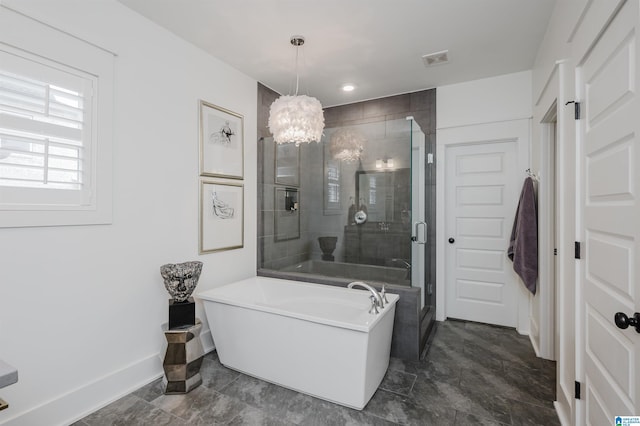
(357, 209)
(377, 234)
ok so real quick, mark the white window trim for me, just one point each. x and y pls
(24, 34)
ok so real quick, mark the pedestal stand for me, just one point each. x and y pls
(182, 314)
(182, 359)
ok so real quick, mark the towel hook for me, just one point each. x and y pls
(532, 175)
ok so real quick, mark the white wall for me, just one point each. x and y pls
(81, 306)
(498, 99)
(502, 98)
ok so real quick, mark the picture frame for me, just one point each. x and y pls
(221, 142)
(221, 216)
(287, 164)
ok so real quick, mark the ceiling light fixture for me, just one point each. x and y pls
(346, 145)
(298, 118)
(384, 163)
(348, 87)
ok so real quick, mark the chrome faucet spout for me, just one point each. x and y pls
(378, 299)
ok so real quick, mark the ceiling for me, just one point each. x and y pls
(375, 44)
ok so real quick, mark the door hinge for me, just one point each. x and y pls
(430, 158)
(429, 288)
(576, 109)
(555, 251)
(577, 249)
(577, 390)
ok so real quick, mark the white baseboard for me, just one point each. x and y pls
(78, 403)
(207, 341)
(534, 343)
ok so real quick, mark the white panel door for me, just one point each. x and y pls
(607, 84)
(482, 190)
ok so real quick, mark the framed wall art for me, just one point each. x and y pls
(221, 216)
(221, 142)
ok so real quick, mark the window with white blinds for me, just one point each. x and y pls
(56, 126)
(332, 180)
(45, 129)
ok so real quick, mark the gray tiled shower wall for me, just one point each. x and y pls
(278, 254)
(273, 254)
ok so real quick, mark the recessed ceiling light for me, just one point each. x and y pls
(348, 87)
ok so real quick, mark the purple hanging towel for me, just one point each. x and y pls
(523, 245)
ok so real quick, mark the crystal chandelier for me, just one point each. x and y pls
(346, 145)
(298, 118)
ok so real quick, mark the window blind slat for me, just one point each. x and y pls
(64, 152)
(22, 85)
(23, 159)
(64, 176)
(63, 163)
(68, 113)
(39, 127)
(23, 173)
(18, 103)
(36, 143)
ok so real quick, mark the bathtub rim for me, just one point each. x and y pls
(210, 296)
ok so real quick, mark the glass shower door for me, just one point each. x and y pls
(420, 225)
(423, 220)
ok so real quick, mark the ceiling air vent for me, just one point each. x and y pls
(436, 58)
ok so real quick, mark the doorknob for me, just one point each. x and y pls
(623, 321)
(452, 240)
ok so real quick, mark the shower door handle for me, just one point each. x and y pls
(415, 238)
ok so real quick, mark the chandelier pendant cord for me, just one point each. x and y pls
(296, 119)
(297, 73)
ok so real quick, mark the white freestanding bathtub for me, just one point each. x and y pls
(317, 339)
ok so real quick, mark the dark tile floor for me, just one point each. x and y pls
(473, 374)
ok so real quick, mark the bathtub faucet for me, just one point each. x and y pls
(403, 262)
(378, 301)
(406, 265)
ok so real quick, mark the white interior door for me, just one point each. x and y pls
(483, 185)
(607, 80)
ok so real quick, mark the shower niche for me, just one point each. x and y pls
(286, 214)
